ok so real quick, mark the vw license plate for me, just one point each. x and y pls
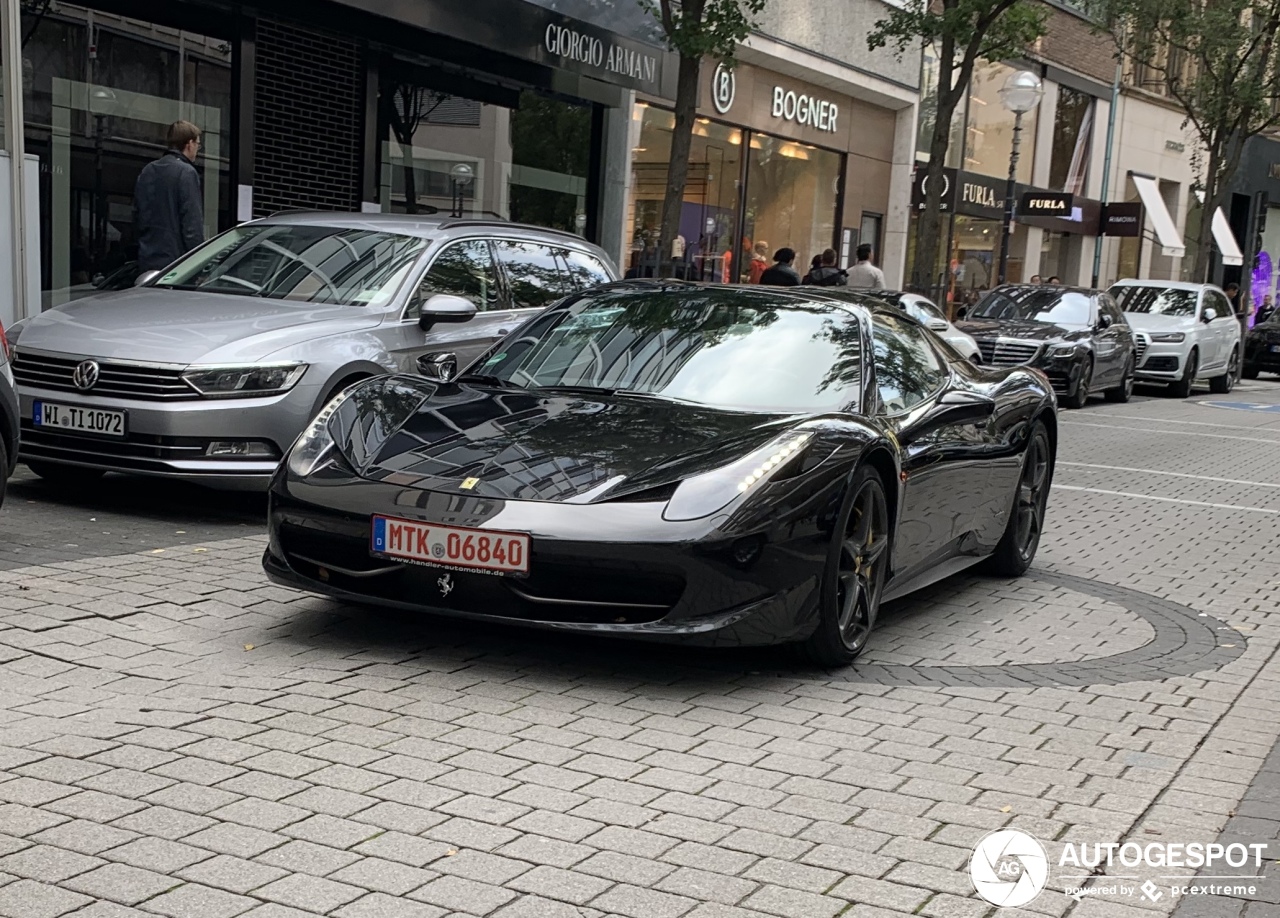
(101, 421)
(481, 550)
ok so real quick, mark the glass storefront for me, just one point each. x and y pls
(989, 127)
(1072, 141)
(528, 161)
(100, 92)
(789, 197)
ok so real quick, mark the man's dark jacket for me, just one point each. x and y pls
(168, 211)
(780, 275)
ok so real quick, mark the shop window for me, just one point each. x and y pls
(1072, 141)
(871, 233)
(448, 154)
(95, 120)
(708, 217)
(792, 191)
(989, 128)
(928, 113)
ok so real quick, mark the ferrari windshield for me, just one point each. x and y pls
(1161, 301)
(721, 348)
(290, 261)
(1034, 304)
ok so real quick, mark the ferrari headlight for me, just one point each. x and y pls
(233, 382)
(704, 494)
(316, 445)
(1168, 337)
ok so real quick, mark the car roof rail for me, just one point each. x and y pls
(507, 224)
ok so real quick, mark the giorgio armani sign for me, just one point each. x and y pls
(607, 56)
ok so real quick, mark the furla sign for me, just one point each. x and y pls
(1046, 204)
(979, 195)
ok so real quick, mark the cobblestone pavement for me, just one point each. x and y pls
(179, 738)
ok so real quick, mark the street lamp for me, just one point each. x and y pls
(1020, 94)
(461, 174)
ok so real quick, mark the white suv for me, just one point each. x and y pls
(1183, 332)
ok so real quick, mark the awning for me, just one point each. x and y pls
(1166, 229)
(1228, 248)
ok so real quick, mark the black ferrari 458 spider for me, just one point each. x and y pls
(662, 460)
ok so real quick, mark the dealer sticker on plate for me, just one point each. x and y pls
(482, 550)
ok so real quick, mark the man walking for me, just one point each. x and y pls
(864, 274)
(168, 213)
(826, 274)
(782, 273)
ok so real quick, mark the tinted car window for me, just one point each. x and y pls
(1163, 301)
(586, 270)
(535, 273)
(717, 348)
(291, 261)
(1034, 304)
(462, 269)
(1219, 303)
(907, 368)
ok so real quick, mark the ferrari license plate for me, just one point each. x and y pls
(102, 421)
(450, 546)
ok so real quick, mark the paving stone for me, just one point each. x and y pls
(29, 899)
(194, 901)
(121, 883)
(309, 893)
(232, 873)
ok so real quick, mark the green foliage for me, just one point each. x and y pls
(990, 29)
(705, 28)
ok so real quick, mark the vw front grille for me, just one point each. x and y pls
(116, 379)
(998, 352)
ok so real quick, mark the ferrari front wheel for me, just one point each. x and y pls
(1017, 547)
(853, 580)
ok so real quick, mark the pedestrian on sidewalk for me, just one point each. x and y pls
(168, 208)
(782, 273)
(865, 275)
(825, 273)
(759, 261)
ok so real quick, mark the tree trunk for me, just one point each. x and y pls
(1212, 201)
(410, 183)
(929, 229)
(678, 171)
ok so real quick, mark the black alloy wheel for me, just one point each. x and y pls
(1079, 396)
(1221, 385)
(1182, 388)
(1021, 539)
(1124, 391)
(854, 581)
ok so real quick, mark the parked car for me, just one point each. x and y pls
(1262, 348)
(926, 312)
(8, 417)
(122, 278)
(1184, 332)
(210, 369)
(1076, 336)
(723, 465)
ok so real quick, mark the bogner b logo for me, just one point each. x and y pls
(982, 195)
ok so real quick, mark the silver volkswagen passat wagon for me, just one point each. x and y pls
(209, 369)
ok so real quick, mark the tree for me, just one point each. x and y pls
(1219, 60)
(694, 29)
(963, 32)
(407, 104)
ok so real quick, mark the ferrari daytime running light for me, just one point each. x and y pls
(312, 449)
(785, 452)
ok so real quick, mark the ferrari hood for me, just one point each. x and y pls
(518, 445)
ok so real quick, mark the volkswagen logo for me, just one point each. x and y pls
(724, 85)
(85, 376)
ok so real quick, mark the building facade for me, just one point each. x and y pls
(498, 109)
(794, 147)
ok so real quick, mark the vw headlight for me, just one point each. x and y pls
(704, 494)
(1169, 337)
(233, 382)
(316, 445)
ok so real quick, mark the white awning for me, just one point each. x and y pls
(1158, 214)
(1228, 248)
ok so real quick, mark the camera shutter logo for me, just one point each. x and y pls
(85, 375)
(1009, 868)
(724, 86)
